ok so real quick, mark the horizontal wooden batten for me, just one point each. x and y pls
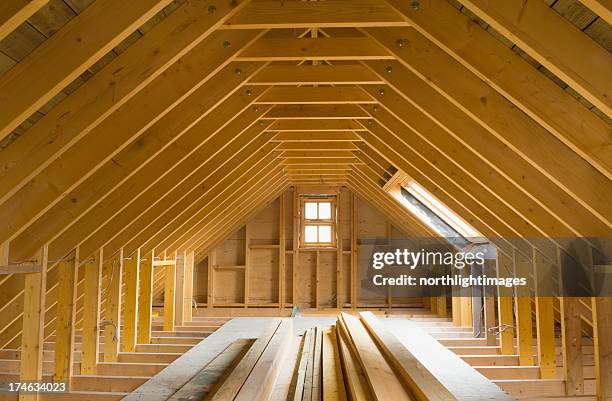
(342, 111)
(332, 49)
(315, 95)
(325, 14)
(308, 137)
(315, 75)
(316, 125)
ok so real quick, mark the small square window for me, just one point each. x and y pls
(310, 210)
(324, 234)
(324, 210)
(310, 234)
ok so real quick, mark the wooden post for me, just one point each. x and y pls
(130, 306)
(145, 293)
(112, 333)
(466, 309)
(91, 315)
(281, 251)
(545, 320)
(212, 264)
(524, 321)
(247, 262)
(296, 244)
(602, 327)
(317, 260)
(505, 268)
(187, 305)
(65, 322)
(571, 345)
(489, 318)
(354, 252)
(442, 305)
(169, 296)
(340, 252)
(33, 324)
(456, 305)
(179, 288)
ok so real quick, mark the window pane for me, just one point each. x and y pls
(325, 210)
(310, 234)
(325, 234)
(310, 210)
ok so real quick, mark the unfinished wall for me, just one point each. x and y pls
(255, 263)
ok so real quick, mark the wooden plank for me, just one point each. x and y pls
(424, 385)
(145, 297)
(271, 14)
(333, 380)
(14, 13)
(67, 54)
(232, 385)
(340, 250)
(188, 304)
(19, 268)
(315, 95)
(66, 317)
(545, 325)
(524, 330)
(299, 49)
(295, 248)
(317, 378)
(130, 305)
(310, 136)
(383, 381)
(555, 42)
(247, 261)
(315, 125)
(354, 250)
(305, 355)
(571, 345)
(315, 75)
(179, 297)
(32, 336)
(282, 258)
(602, 326)
(113, 270)
(357, 385)
(91, 315)
(169, 297)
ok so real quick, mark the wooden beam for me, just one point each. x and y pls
(169, 296)
(555, 42)
(304, 125)
(30, 367)
(339, 111)
(67, 54)
(504, 269)
(301, 49)
(315, 95)
(545, 324)
(179, 296)
(602, 325)
(314, 136)
(66, 319)
(188, 291)
(282, 257)
(113, 307)
(315, 75)
(332, 145)
(524, 320)
(571, 345)
(543, 100)
(271, 15)
(178, 36)
(130, 305)
(145, 289)
(91, 315)
(18, 268)
(497, 158)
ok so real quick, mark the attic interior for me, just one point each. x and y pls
(191, 191)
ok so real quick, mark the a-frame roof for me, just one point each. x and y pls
(152, 124)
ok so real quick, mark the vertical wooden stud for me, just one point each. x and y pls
(189, 267)
(145, 290)
(281, 251)
(212, 265)
(317, 274)
(571, 345)
(545, 319)
(65, 322)
(602, 327)
(91, 315)
(112, 332)
(130, 305)
(179, 288)
(339, 251)
(354, 252)
(169, 296)
(247, 262)
(296, 243)
(456, 305)
(505, 268)
(524, 320)
(33, 324)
